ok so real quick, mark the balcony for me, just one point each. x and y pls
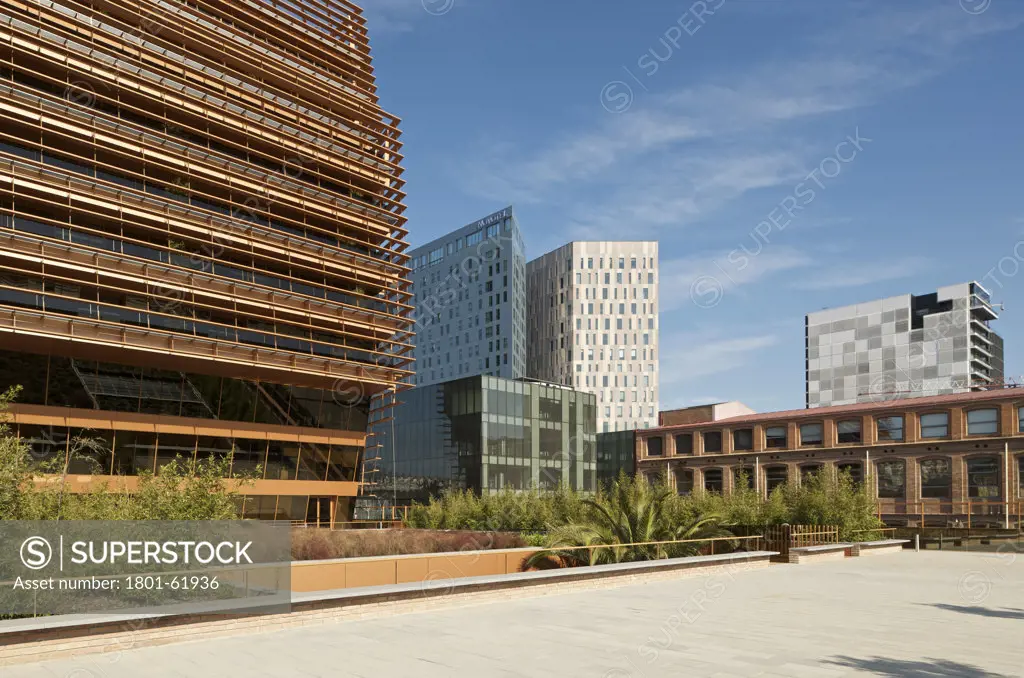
(984, 348)
(980, 358)
(981, 308)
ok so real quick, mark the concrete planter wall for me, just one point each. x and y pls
(346, 573)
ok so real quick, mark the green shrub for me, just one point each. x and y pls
(822, 499)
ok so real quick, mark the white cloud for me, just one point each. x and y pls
(679, 193)
(689, 356)
(724, 272)
(672, 159)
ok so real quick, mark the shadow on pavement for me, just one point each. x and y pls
(924, 668)
(1003, 613)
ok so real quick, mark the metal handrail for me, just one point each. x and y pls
(710, 540)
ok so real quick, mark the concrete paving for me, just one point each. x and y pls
(920, 615)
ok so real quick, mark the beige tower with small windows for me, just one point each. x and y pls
(593, 325)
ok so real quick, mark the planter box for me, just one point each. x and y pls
(878, 548)
(345, 573)
(810, 554)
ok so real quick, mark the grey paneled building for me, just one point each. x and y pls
(486, 433)
(470, 298)
(903, 346)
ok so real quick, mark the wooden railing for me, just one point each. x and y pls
(781, 538)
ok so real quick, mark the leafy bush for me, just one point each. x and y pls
(505, 511)
(832, 499)
(821, 499)
(632, 518)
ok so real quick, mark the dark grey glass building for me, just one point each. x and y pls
(487, 433)
(616, 452)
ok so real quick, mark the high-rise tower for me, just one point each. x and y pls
(593, 325)
(201, 238)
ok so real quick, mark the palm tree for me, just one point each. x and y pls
(632, 512)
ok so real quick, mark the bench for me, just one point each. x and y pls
(808, 554)
(877, 548)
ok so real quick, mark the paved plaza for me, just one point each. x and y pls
(922, 615)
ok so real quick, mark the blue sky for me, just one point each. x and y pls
(788, 155)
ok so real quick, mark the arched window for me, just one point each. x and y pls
(684, 443)
(848, 431)
(713, 480)
(935, 425)
(892, 479)
(854, 468)
(811, 435)
(936, 479)
(775, 476)
(743, 476)
(775, 437)
(983, 422)
(890, 428)
(983, 478)
(712, 441)
(807, 471)
(684, 481)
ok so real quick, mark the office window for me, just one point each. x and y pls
(936, 479)
(983, 422)
(892, 479)
(775, 437)
(1020, 420)
(890, 428)
(935, 425)
(743, 439)
(811, 435)
(712, 441)
(654, 446)
(684, 443)
(848, 431)
(713, 480)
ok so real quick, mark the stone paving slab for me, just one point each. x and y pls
(919, 615)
